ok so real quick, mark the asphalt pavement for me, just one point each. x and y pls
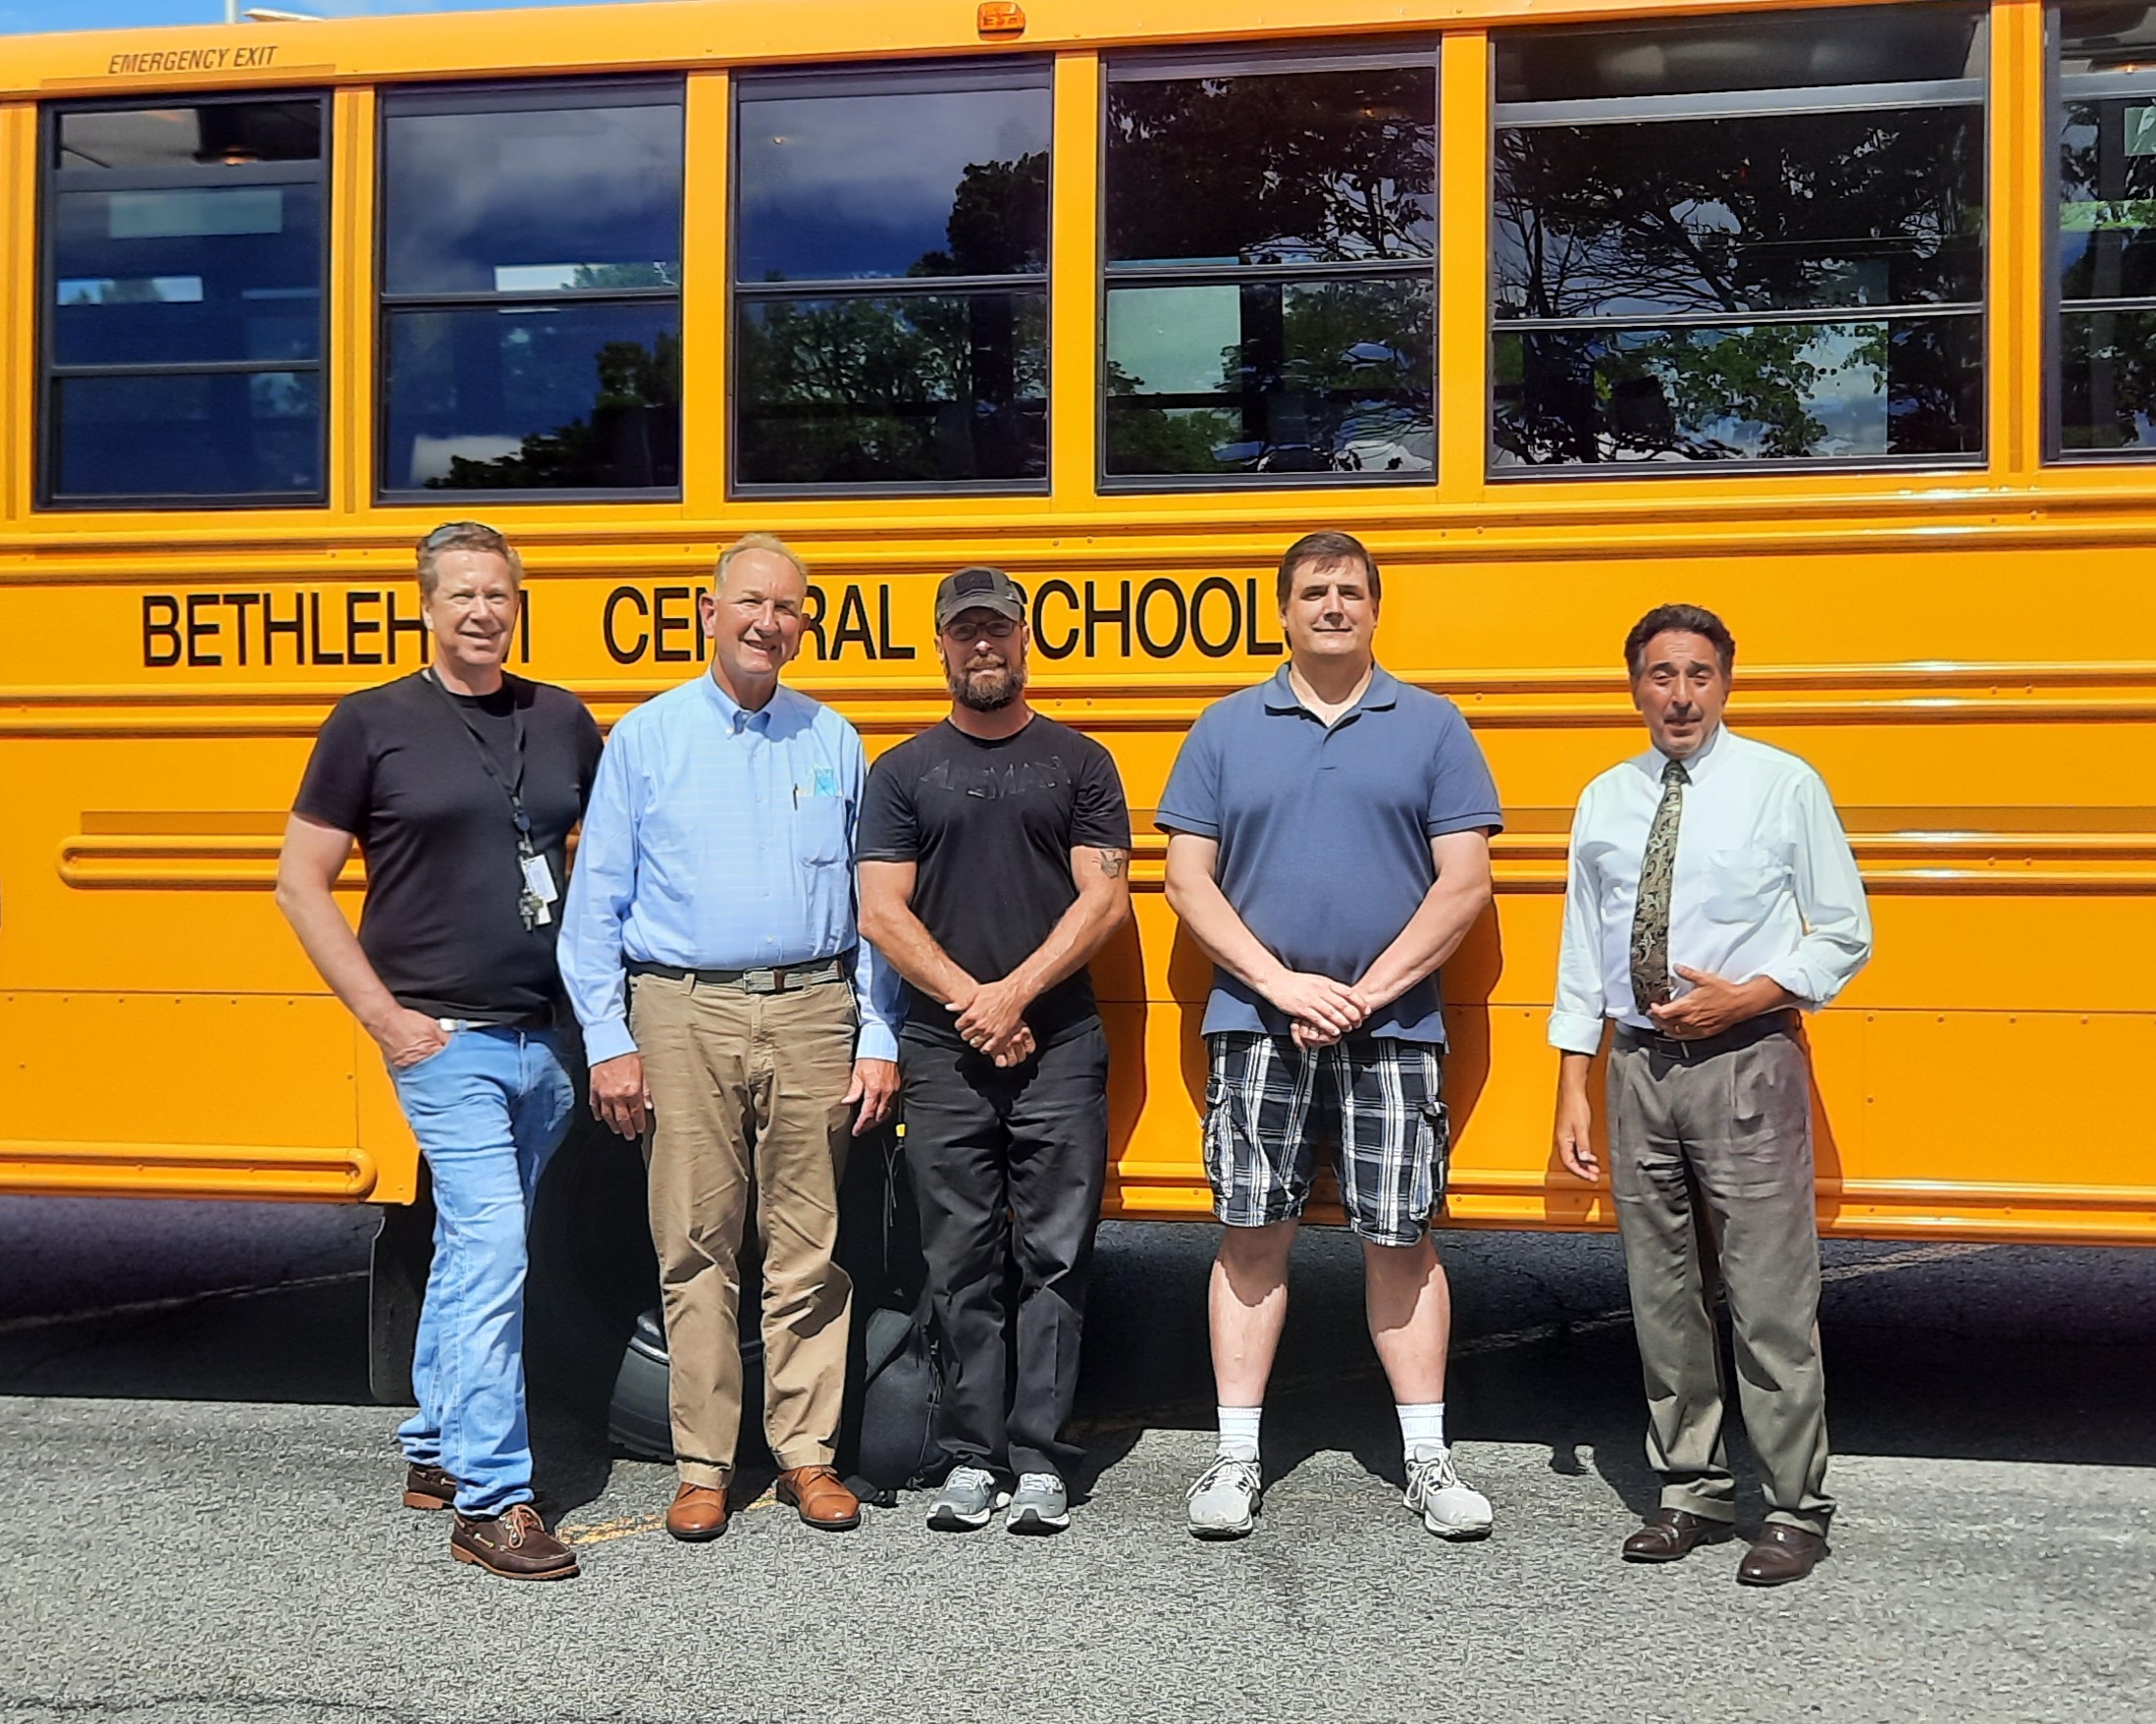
(200, 1515)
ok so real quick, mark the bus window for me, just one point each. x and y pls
(2104, 348)
(184, 325)
(531, 290)
(1758, 240)
(891, 288)
(1271, 268)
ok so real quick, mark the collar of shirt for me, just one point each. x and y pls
(1383, 694)
(738, 717)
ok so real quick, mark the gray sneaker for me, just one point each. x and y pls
(965, 1500)
(1448, 1508)
(1225, 1499)
(1040, 1504)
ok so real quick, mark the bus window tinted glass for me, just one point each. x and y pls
(570, 396)
(566, 199)
(1271, 377)
(1303, 166)
(2104, 344)
(223, 433)
(908, 182)
(218, 273)
(1684, 218)
(859, 389)
(230, 135)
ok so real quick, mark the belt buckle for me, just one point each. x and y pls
(760, 980)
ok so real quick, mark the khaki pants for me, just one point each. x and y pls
(748, 1086)
(1712, 1171)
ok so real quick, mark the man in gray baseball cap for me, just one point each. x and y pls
(992, 855)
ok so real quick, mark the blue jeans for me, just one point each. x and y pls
(488, 1109)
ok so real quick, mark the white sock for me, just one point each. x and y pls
(1238, 1432)
(1422, 1428)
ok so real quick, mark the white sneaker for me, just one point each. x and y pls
(1448, 1508)
(1224, 1500)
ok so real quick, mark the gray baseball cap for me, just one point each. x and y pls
(979, 588)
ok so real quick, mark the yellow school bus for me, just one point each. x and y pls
(1830, 317)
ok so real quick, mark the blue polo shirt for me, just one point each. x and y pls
(1325, 832)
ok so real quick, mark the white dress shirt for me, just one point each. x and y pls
(1764, 885)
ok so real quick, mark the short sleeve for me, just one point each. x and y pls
(1192, 801)
(1100, 818)
(338, 787)
(890, 823)
(1463, 796)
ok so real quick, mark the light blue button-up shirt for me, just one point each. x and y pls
(718, 838)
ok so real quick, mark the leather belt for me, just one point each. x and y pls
(1693, 1050)
(782, 978)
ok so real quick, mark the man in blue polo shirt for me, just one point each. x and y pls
(1328, 846)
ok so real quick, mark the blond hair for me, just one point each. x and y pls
(463, 536)
(747, 541)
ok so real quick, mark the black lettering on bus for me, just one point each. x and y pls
(1120, 616)
(1212, 646)
(813, 608)
(666, 623)
(853, 625)
(885, 645)
(320, 654)
(1056, 649)
(356, 626)
(1256, 648)
(272, 626)
(160, 624)
(1173, 645)
(243, 603)
(199, 631)
(413, 625)
(616, 650)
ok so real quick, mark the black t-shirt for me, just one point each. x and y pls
(398, 768)
(991, 826)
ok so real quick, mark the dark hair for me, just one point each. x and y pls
(1327, 547)
(1686, 619)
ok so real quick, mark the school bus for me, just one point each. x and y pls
(1839, 318)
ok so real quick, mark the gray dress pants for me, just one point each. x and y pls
(1711, 1171)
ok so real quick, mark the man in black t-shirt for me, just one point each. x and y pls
(993, 852)
(460, 785)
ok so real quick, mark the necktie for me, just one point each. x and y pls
(1651, 916)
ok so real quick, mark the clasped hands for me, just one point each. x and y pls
(1320, 1009)
(990, 1019)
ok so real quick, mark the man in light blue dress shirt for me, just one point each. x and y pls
(737, 1024)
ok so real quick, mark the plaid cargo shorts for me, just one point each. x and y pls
(1376, 1102)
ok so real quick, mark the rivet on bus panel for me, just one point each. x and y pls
(1000, 18)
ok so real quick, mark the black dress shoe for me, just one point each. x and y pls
(1670, 1532)
(1784, 1554)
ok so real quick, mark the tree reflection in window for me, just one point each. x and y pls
(1771, 286)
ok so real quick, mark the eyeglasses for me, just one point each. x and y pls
(965, 634)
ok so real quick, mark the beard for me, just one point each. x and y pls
(986, 688)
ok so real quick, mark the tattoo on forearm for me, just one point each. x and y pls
(1114, 862)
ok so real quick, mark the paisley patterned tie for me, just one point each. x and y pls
(1651, 916)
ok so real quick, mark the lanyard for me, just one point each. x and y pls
(514, 789)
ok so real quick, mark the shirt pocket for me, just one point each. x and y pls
(820, 830)
(1741, 884)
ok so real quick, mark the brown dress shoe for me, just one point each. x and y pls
(514, 1545)
(698, 1513)
(1670, 1532)
(1784, 1554)
(428, 1487)
(821, 1499)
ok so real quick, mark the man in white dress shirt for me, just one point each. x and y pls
(1710, 897)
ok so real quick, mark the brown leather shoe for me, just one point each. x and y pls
(1784, 1554)
(428, 1487)
(822, 1501)
(514, 1545)
(1670, 1532)
(697, 1514)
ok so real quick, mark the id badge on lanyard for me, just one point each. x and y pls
(537, 892)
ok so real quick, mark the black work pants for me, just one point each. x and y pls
(1008, 1164)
